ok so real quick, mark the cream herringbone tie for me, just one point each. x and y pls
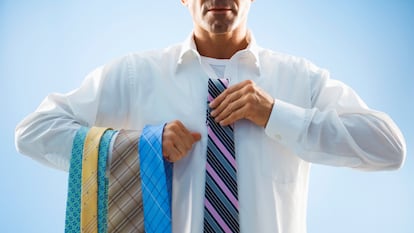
(125, 212)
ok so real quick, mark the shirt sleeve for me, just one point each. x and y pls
(338, 130)
(46, 135)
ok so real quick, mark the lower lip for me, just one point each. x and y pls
(220, 11)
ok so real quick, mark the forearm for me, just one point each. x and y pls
(365, 140)
(46, 135)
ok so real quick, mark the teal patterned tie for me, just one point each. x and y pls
(103, 181)
(73, 205)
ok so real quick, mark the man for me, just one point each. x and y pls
(286, 114)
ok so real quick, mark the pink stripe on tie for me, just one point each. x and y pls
(216, 216)
(222, 148)
(224, 81)
(210, 98)
(222, 186)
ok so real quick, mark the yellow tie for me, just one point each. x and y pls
(89, 199)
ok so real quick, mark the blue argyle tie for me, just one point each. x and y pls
(156, 181)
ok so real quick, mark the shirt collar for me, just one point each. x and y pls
(189, 52)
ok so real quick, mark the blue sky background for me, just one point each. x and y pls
(49, 46)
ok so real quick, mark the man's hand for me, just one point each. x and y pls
(244, 100)
(177, 141)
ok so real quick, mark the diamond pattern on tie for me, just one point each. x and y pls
(156, 180)
(103, 181)
(73, 203)
(221, 205)
(75, 185)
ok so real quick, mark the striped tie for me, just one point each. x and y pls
(221, 205)
(125, 212)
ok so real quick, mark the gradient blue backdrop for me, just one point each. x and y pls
(49, 46)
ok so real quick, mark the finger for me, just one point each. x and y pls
(181, 137)
(169, 138)
(188, 139)
(240, 85)
(181, 150)
(231, 107)
(217, 101)
(249, 110)
(185, 144)
(231, 94)
(168, 149)
(229, 90)
(178, 141)
(234, 116)
(174, 155)
(234, 101)
(196, 136)
(228, 100)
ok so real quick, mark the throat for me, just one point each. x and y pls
(220, 46)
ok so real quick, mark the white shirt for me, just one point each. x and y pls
(315, 119)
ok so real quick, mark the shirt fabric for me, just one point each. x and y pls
(315, 119)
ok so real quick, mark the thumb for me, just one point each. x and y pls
(196, 136)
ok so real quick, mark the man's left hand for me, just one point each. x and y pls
(244, 100)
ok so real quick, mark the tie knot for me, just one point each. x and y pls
(216, 87)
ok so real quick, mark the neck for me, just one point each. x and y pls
(221, 45)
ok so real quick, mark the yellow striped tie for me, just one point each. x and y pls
(89, 199)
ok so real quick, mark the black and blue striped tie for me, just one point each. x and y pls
(221, 205)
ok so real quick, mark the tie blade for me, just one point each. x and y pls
(156, 187)
(221, 196)
(125, 207)
(216, 87)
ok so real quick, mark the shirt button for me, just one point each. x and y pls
(278, 137)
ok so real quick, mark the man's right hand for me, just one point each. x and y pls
(177, 141)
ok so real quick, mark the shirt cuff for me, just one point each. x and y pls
(287, 122)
